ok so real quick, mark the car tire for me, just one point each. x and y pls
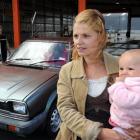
(53, 121)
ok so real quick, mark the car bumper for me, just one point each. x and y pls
(22, 127)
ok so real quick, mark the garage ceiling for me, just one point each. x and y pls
(131, 6)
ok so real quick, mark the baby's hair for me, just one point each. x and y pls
(133, 53)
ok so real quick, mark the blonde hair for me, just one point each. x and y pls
(95, 20)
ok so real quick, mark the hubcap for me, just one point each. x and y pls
(55, 121)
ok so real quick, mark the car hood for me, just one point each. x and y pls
(16, 83)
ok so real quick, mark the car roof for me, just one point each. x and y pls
(54, 39)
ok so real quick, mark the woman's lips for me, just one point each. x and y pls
(81, 49)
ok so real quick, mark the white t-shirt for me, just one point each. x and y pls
(96, 87)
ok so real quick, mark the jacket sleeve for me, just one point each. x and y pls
(123, 96)
(74, 120)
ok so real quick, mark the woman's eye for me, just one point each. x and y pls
(85, 35)
(121, 68)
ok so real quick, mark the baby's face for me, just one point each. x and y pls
(129, 66)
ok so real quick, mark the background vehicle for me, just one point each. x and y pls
(28, 86)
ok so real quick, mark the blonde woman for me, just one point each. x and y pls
(83, 101)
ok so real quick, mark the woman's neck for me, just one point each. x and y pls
(93, 60)
(94, 69)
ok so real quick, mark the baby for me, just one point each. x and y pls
(124, 94)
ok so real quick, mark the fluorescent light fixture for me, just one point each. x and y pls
(108, 14)
(123, 14)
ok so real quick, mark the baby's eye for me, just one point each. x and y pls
(75, 36)
(130, 69)
(121, 68)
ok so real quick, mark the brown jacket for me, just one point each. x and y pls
(72, 92)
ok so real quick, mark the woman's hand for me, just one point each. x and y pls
(134, 132)
(109, 134)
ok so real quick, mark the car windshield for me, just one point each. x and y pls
(41, 53)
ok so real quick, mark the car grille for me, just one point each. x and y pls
(5, 106)
(6, 110)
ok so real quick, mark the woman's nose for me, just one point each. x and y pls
(79, 40)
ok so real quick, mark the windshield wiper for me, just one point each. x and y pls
(53, 60)
(19, 59)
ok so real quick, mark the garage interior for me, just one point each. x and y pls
(54, 18)
(26, 19)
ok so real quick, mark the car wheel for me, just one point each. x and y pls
(53, 121)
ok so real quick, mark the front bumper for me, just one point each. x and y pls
(22, 128)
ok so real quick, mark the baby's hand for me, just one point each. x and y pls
(118, 79)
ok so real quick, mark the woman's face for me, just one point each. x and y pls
(86, 40)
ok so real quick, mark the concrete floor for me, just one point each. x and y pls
(35, 136)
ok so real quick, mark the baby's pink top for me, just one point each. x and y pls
(125, 102)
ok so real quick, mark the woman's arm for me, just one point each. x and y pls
(133, 132)
(109, 134)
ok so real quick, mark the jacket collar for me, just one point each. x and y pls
(111, 64)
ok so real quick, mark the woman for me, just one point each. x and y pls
(82, 96)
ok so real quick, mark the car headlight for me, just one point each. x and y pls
(19, 107)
